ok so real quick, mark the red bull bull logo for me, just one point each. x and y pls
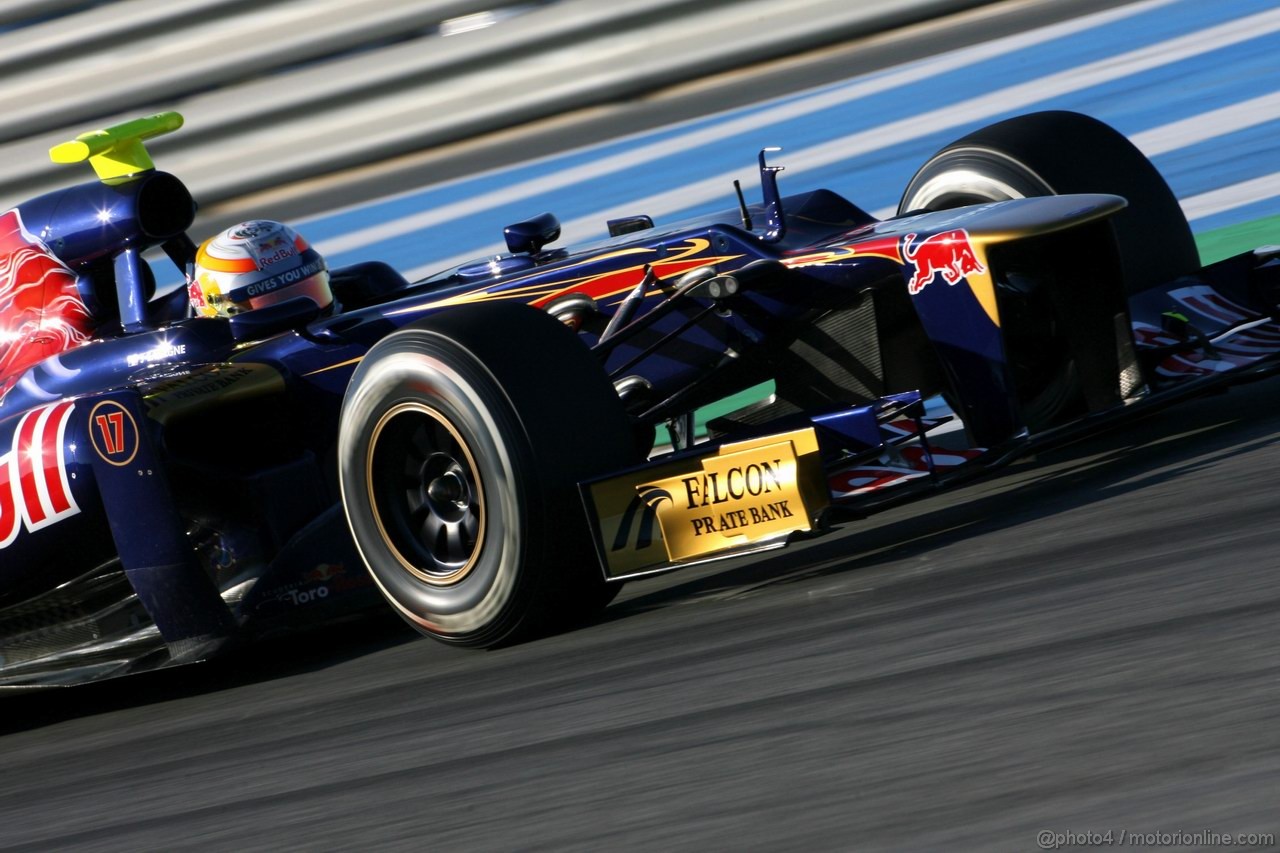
(325, 572)
(949, 253)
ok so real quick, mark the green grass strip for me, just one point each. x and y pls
(1232, 240)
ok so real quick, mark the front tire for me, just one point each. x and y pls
(1055, 153)
(461, 443)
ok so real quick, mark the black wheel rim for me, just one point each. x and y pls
(427, 496)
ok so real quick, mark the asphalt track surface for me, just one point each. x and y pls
(1082, 644)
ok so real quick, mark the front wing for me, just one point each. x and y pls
(724, 499)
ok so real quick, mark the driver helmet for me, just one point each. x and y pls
(253, 265)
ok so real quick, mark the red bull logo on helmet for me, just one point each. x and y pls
(949, 253)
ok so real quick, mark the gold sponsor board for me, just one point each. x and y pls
(745, 494)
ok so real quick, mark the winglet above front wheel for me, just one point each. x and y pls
(117, 151)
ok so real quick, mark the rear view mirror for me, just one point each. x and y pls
(290, 314)
(532, 234)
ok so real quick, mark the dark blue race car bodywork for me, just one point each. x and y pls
(173, 484)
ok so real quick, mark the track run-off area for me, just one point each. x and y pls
(1084, 643)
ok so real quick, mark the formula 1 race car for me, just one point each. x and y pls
(478, 447)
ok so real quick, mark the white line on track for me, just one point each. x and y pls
(1236, 195)
(1204, 126)
(993, 103)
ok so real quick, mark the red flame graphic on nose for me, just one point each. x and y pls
(41, 313)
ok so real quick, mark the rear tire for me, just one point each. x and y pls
(461, 443)
(1055, 153)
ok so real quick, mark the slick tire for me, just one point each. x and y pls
(1055, 153)
(460, 446)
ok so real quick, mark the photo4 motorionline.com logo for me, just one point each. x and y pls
(1047, 839)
